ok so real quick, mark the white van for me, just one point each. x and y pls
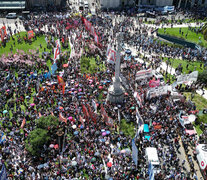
(201, 151)
(152, 156)
(11, 16)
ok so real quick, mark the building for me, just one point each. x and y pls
(177, 3)
(156, 2)
(111, 4)
(44, 3)
(8, 5)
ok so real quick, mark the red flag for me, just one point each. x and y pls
(63, 40)
(3, 32)
(61, 118)
(62, 83)
(92, 115)
(85, 112)
(23, 123)
(30, 34)
(60, 80)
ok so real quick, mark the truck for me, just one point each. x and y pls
(201, 154)
(152, 157)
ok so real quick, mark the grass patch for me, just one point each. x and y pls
(191, 65)
(199, 101)
(90, 66)
(191, 37)
(198, 130)
(35, 45)
(127, 128)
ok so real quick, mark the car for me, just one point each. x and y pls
(11, 16)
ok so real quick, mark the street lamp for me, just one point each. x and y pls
(59, 133)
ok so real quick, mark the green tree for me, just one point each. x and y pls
(35, 141)
(202, 77)
(47, 122)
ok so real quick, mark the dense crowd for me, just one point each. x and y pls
(95, 150)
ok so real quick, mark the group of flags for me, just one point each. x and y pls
(89, 113)
(3, 32)
(91, 29)
(105, 116)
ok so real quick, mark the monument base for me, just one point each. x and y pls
(115, 95)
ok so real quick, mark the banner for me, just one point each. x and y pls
(30, 34)
(56, 53)
(111, 57)
(186, 78)
(134, 153)
(158, 91)
(143, 74)
(3, 174)
(153, 83)
(3, 32)
(57, 43)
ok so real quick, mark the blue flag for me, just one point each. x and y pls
(151, 171)
(3, 138)
(45, 75)
(3, 174)
(54, 68)
(134, 152)
(49, 75)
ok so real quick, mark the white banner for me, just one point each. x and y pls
(111, 58)
(144, 74)
(186, 78)
(56, 53)
(57, 43)
(158, 91)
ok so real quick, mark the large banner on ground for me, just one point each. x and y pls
(186, 78)
(158, 91)
(144, 74)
